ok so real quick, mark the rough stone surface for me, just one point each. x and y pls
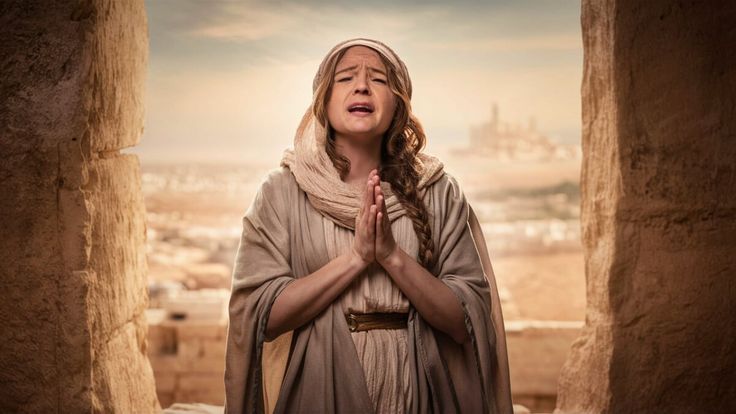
(658, 210)
(120, 49)
(119, 257)
(72, 224)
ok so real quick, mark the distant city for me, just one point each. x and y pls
(501, 140)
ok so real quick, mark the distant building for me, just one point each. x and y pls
(501, 140)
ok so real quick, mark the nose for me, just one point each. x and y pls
(361, 83)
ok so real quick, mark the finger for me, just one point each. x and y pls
(372, 221)
(367, 196)
(363, 218)
(382, 210)
(371, 197)
(380, 196)
(379, 226)
(363, 212)
(374, 181)
(372, 175)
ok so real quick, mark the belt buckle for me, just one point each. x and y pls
(352, 322)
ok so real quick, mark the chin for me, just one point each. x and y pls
(370, 131)
(361, 136)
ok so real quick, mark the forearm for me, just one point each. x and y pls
(305, 297)
(433, 299)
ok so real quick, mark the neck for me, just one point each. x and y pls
(364, 157)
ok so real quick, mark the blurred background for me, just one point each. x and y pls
(497, 88)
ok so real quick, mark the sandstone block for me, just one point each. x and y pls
(118, 256)
(210, 331)
(166, 383)
(123, 376)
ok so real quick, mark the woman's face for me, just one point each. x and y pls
(361, 105)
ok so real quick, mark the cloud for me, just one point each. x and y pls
(246, 22)
(510, 44)
(252, 27)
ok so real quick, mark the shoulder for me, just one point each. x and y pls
(446, 189)
(446, 200)
(278, 182)
(275, 192)
(279, 177)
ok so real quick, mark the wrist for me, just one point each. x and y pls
(393, 260)
(356, 263)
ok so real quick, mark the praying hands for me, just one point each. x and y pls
(374, 241)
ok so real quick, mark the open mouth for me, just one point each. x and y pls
(361, 108)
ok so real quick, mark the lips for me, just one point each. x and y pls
(361, 107)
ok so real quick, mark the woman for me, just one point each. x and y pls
(362, 281)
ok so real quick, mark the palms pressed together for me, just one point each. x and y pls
(374, 241)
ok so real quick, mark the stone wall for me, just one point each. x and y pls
(188, 359)
(658, 210)
(73, 224)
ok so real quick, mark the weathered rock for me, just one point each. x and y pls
(658, 210)
(72, 227)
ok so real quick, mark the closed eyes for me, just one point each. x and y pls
(350, 77)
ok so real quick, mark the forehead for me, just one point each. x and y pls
(359, 54)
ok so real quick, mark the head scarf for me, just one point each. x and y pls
(318, 177)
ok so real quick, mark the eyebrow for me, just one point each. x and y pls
(355, 66)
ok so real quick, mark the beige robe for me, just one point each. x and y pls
(383, 353)
(318, 367)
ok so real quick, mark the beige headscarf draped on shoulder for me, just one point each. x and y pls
(315, 368)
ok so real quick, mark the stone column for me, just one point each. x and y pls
(72, 223)
(658, 210)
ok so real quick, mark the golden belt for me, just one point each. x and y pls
(364, 321)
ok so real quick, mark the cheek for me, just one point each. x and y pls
(333, 110)
(390, 104)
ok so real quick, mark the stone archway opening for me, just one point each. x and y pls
(658, 209)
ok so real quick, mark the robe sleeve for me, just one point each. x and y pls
(261, 271)
(464, 266)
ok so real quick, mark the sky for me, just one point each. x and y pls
(228, 81)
